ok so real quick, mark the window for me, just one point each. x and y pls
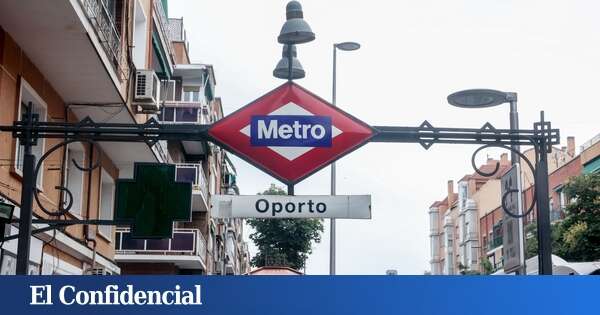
(563, 199)
(74, 176)
(115, 10)
(179, 114)
(191, 93)
(462, 195)
(107, 193)
(9, 265)
(39, 107)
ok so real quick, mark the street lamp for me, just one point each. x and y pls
(481, 98)
(294, 31)
(345, 46)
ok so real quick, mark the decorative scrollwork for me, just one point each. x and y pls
(497, 167)
(63, 210)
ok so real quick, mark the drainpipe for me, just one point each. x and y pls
(93, 253)
(86, 228)
(63, 163)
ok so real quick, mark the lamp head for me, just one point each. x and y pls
(348, 46)
(480, 98)
(282, 69)
(295, 30)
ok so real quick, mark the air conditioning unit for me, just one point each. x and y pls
(229, 269)
(147, 91)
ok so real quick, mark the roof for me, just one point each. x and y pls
(275, 271)
(488, 168)
(435, 204)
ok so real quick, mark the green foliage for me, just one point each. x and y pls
(580, 231)
(284, 242)
(486, 266)
(531, 239)
(467, 272)
(577, 237)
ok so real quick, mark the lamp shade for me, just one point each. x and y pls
(282, 69)
(295, 30)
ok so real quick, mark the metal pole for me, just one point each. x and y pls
(515, 159)
(514, 124)
(290, 59)
(543, 210)
(333, 176)
(27, 187)
(290, 190)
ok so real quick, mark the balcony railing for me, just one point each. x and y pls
(161, 149)
(189, 242)
(104, 25)
(184, 112)
(193, 173)
(495, 243)
(164, 25)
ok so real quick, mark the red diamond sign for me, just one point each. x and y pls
(290, 133)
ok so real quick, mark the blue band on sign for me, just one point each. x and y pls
(290, 131)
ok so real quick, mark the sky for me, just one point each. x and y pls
(413, 54)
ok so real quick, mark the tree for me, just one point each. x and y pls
(486, 266)
(577, 237)
(531, 239)
(286, 242)
(580, 230)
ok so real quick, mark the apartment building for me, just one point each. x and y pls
(454, 221)
(466, 227)
(204, 245)
(117, 61)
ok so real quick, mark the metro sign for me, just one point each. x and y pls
(290, 133)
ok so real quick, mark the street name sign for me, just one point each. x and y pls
(512, 228)
(285, 207)
(290, 133)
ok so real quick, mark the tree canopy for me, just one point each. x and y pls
(577, 237)
(284, 242)
(580, 231)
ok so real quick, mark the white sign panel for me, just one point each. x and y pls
(285, 207)
(512, 227)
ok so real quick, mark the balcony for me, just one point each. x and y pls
(181, 112)
(164, 27)
(187, 249)
(75, 44)
(193, 173)
(495, 243)
(105, 27)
